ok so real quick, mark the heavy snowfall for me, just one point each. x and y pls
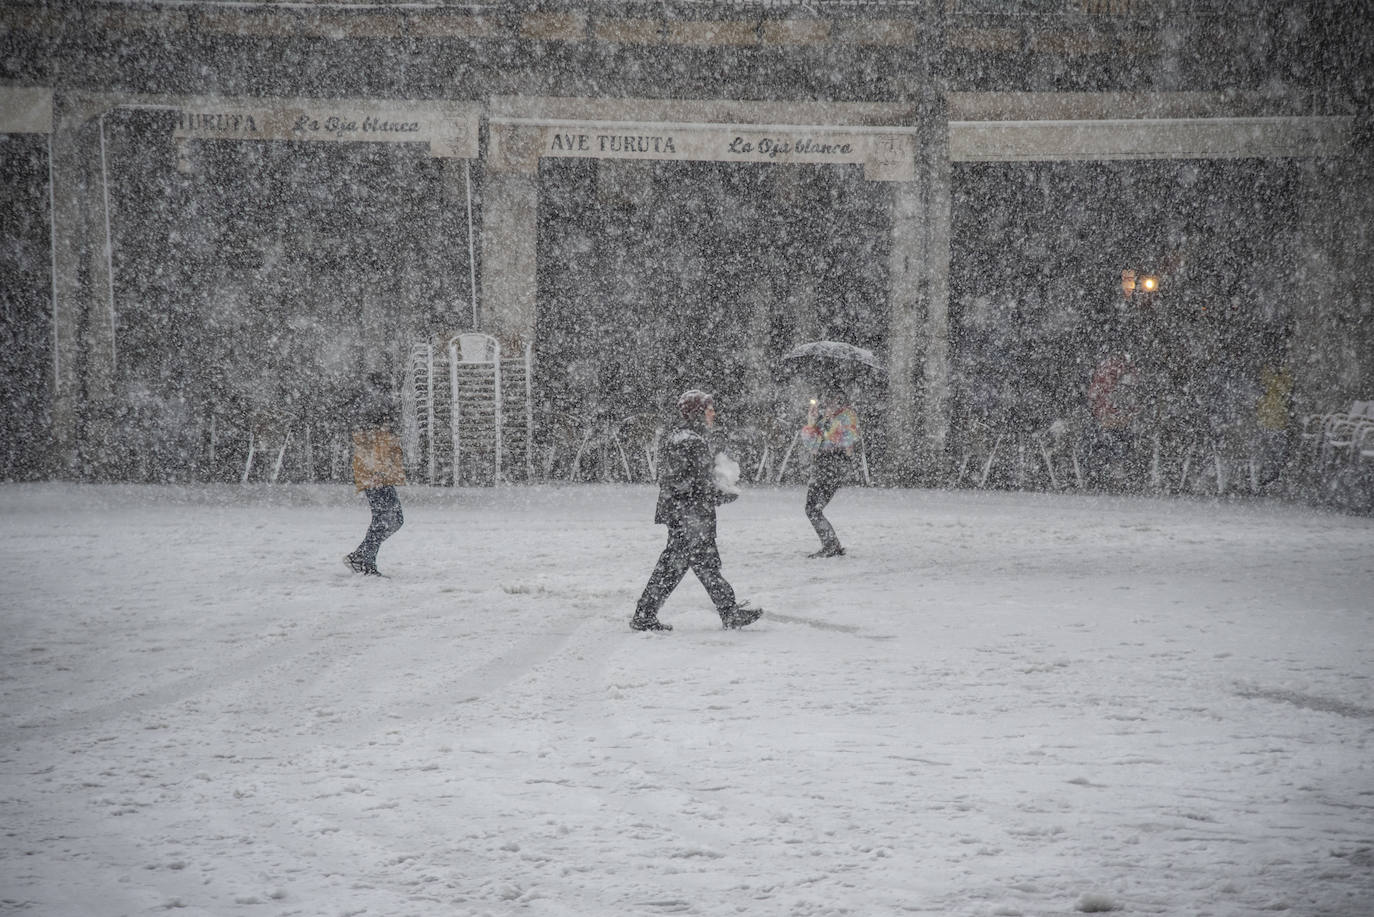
(1005, 704)
(1100, 641)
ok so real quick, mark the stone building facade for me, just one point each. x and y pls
(218, 209)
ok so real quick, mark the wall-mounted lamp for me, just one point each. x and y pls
(1133, 282)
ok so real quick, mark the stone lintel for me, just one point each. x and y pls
(457, 26)
(248, 23)
(135, 20)
(553, 109)
(628, 31)
(713, 32)
(554, 26)
(1096, 106)
(340, 25)
(876, 32)
(796, 31)
(985, 39)
(1072, 43)
(1149, 138)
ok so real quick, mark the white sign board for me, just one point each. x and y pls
(449, 128)
(887, 154)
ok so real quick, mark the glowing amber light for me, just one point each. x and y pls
(1150, 284)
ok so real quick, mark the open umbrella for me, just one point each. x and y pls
(832, 361)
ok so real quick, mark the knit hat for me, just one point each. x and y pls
(693, 403)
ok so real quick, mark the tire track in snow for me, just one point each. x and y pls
(251, 664)
(1305, 701)
(432, 699)
(282, 665)
(307, 644)
(849, 629)
(350, 806)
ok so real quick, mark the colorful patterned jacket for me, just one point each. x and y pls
(833, 430)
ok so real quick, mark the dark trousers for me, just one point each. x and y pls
(693, 547)
(386, 520)
(826, 477)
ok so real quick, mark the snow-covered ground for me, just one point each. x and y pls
(997, 704)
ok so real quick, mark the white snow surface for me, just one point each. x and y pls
(996, 704)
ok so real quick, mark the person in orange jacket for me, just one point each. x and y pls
(831, 434)
(377, 470)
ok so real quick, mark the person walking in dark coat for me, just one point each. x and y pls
(377, 469)
(830, 434)
(687, 499)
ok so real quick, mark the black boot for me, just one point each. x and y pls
(648, 622)
(741, 615)
(358, 565)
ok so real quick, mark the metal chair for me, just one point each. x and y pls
(1363, 450)
(1341, 434)
(599, 438)
(639, 435)
(267, 432)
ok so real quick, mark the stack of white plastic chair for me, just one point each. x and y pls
(517, 414)
(474, 361)
(418, 411)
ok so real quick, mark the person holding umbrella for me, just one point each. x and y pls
(830, 435)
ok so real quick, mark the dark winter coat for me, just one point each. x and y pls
(687, 492)
(374, 407)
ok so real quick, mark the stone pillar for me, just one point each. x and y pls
(798, 280)
(935, 285)
(456, 176)
(83, 330)
(904, 348)
(918, 343)
(1331, 301)
(1310, 350)
(510, 211)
